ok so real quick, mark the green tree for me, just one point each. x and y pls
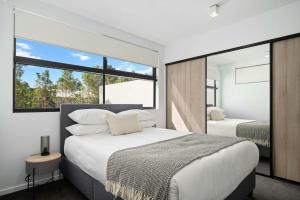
(91, 84)
(45, 91)
(116, 79)
(23, 92)
(19, 72)
(68, 87)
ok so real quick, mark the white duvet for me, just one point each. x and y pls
(226, 127)
(211, 178)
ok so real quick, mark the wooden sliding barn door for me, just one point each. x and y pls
(286, 109)
(186, 96)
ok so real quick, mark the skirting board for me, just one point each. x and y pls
(24, 185)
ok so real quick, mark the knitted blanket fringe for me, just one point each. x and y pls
(260, 142)
(119, 190)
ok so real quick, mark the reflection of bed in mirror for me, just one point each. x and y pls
(238, 97)
(254, 130)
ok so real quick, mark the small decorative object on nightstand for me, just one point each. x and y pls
(45, 142)
(38, 164)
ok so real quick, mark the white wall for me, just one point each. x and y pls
(213, 72)
(272, 24)
(20, 132)
(244, 101)
(140, 92)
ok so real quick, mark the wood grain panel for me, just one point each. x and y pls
(286, 109)
(169, 79)
(198, 103)
(186, 96)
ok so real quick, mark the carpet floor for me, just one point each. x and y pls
(266, 189)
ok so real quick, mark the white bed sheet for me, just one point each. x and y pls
(211, 178)
(226, 127)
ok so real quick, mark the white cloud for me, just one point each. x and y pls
(126, 66)
(81, 56)
(23, 45)
(22, 53)
(145, 71)
(130, 67)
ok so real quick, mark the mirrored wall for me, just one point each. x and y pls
(238, 98)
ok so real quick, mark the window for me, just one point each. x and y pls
(130, 83)
(41, 87)
(128, 66)
(252, 74)
(42, 51)
(46, 76)
(212, 92)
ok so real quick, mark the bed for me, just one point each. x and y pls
(213, 177)
(226, 127)
(256, 131)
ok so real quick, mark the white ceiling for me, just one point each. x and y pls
(165, 21)
(248, 55)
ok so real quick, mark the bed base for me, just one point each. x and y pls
(94, 190)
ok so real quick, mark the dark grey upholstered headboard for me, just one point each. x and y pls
(65, 121)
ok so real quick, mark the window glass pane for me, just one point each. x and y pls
(210, 82)
(125, 90)
(210, 96)
(128, 66)
(40, 87)
(38, 50)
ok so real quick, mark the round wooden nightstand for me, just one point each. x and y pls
(37, 164)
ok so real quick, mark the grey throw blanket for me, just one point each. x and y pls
(256, 131)
(145, 172)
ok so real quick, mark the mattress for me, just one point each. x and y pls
(257, 132)
(211, 178)
(226, 127)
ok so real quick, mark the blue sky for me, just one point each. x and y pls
(31, 49)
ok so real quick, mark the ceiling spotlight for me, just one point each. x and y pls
(214, 10)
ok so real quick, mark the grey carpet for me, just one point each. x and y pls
(266, 189)
(53, 191)
(270, 189)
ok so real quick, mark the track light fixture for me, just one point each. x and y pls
(214, 10)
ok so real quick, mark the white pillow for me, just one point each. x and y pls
(217, 115)
(147, 124)
(89, 116)
(143, 115)
(123, 124)
(208, 117)
(209, 109)
(79, 129)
